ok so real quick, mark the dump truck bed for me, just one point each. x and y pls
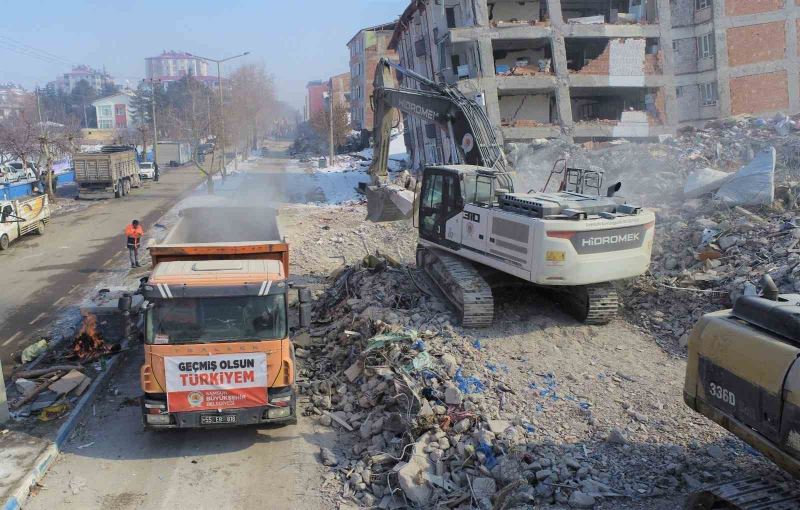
(224, 233)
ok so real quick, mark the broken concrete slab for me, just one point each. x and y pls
(753, 184)
(704, 181)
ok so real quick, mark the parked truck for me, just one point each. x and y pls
(217, 350)
(110, 173)
(174, 153)
(21, 217)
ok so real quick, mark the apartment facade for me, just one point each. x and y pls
(339, 88)
(316, 91)
(114, 111)
(174, 65)
(96, 79)
(366, 48)
(584, 69)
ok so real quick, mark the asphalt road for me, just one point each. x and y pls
(41, 275)
(111, 462)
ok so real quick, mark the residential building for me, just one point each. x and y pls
(174, 65)
(367, 47)
(98, 80)
(316, 91)
(114, 111)
(601, 69)
(339, 86)
(12, 100)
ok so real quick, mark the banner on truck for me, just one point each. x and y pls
(224, 381)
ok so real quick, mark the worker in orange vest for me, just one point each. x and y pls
(133, 235)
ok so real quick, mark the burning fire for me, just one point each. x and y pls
(89, 342)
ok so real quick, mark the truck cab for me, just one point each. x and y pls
(216, 345)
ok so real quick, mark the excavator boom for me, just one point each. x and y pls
(469, 129)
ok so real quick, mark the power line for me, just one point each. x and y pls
(23, 52)
(44, 52)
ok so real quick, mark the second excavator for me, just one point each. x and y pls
(475, 229)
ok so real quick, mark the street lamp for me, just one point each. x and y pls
(221, 105)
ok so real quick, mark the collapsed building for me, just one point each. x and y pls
(601, 69)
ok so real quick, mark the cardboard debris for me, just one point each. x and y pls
(69, 382)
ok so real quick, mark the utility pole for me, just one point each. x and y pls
(330, 115)
(153, 114)
(45, 142)
(221, 102)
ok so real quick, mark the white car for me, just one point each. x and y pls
(24, 175)
(147, 170)
(8, 175)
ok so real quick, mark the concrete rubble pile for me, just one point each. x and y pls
(432, 422)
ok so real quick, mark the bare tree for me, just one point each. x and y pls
(252, 107)
(321, 124)
(19, 134)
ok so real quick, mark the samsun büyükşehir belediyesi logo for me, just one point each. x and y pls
(195, 399)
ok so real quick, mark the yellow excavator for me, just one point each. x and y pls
(476, 231)
(743, 372)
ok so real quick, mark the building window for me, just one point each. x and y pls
(450, 13)
(679, 91)
(119, 109)
(708, 94)
(699, 5)
(705, 45)
(104, 111)
(105, 124)
(675, 46)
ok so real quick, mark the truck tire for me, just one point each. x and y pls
(40, 228)
(4, 242)
(118, 189)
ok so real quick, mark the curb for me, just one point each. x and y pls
(46, 458)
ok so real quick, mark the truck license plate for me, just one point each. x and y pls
(217, 419)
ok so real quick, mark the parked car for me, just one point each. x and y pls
(264, 152)
(8, 175)
(147, 170)
(28, 173)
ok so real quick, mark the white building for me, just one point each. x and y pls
(114, 112)
(174, 65)
(96, 79)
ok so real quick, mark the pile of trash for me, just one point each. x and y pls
(424, 408)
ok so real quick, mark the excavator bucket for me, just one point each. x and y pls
(389, 202)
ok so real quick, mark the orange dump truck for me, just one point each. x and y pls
(217, 348)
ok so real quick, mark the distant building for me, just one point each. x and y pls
(12, 100)
(96, 79)
(315, 98)
(366, 47)
(339, 86)
(114, 111)
(173, 65)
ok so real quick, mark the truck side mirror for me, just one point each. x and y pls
(612, 190)
(7, 211)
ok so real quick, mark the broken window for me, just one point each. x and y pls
(522, 57)
(705, 45)
(708, 93)
(450, 13)
(679, 91)
(702, 4)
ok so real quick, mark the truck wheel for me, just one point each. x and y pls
(40, 228)
(4, 242)
(118, 190)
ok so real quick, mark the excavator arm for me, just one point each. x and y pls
(469, 129)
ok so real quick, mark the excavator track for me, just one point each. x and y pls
(461, 283)
(745, 494)
(595, 304)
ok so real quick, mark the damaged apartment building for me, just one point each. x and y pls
(601, 69)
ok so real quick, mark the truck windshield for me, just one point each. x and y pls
(219, 319)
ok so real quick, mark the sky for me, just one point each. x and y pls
(296, 40)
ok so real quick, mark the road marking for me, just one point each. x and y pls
(37, 318)
(18, 333)
(73, 289)
(108, 262)
(59, 300)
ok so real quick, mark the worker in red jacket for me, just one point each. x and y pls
(133, 236)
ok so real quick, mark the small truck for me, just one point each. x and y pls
(21, 217)
(110, 173)
(217, 351)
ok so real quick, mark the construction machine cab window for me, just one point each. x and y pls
(217, 319)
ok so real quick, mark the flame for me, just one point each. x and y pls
(89, 342)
